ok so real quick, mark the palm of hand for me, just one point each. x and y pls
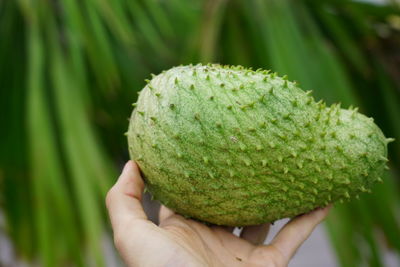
(195, 244)
(181, 242)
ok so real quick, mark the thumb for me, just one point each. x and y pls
(123, 200)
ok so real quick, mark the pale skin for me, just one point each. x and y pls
(177, 241)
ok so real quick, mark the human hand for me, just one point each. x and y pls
(183, 242)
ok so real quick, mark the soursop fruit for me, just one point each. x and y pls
(233, 146)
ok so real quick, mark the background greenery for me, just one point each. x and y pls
(70, 69)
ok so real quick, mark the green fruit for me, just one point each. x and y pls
(232, 146)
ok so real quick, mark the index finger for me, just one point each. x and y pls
(294, 233)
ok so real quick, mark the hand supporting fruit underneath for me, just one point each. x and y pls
(182, 242)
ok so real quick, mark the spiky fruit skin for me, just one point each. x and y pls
(237, 147)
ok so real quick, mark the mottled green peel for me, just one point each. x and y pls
(232, 146)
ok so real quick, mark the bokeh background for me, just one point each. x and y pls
(70, 70)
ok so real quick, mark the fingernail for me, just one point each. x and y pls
(127, 166)
(327, 208)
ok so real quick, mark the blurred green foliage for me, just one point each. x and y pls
(70, 69)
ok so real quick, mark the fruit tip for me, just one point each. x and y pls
(390, 140)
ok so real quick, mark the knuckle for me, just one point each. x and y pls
(119, 240)
(109, 197)
(124, 232)
(270, 256)
(277, 263)
(278, 260)
(296, 232)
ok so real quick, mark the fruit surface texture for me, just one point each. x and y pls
(232, 146)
